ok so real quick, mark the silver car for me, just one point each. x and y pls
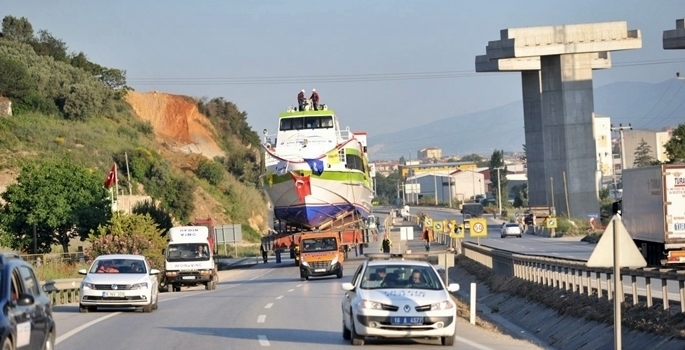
(511, 229)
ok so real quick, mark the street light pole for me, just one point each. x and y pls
(499, 194)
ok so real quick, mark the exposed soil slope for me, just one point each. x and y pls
(176, 122)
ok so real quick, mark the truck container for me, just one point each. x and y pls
(471, 210)
(653, 212)
(189, 259)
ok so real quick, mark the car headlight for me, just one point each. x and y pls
(85, 285)
(368, 304)
(304, 263)
(443, 305)
(334, 261)
(139, 286)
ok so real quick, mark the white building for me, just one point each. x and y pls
(654, 139)
(602, 133)
(463, 185)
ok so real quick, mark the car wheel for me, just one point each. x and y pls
(147, 308)
(83, 309)
(7, 345)
(520, 236)
(50, 341)
(346, 332)
(208, 285)
(339, 274)
(357, 339)
(448, 341)
(170, 288)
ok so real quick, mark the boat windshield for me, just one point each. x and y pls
(304, 123)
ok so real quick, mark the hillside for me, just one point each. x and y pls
(67, 106)
(644, 105)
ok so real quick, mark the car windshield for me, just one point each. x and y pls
(118, 266)
(400, 276)
(512, 225)
(188, 252)
(319, 245)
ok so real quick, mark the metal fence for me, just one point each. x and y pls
(576, 277)
(39, 259)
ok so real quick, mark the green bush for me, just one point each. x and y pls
(211, 171)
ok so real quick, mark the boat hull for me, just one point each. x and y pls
(333, 194)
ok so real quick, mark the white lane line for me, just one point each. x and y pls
(268, 306)
(263, 341)
(71, 333)
(473, 344)
(279, 297)
(261, 318)
(299, 285)
(82, 327)
(290, 290)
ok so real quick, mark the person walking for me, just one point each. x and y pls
(386, 244)
(426, 239)
(264, 253)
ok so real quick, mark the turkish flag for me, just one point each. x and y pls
(111, 177)
(302, 186)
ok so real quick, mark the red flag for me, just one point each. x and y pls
(302, 186)
(111, 177)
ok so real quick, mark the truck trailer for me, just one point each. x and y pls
(653, 211)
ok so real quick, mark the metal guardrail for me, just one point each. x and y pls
(575, 276)
(63, 296)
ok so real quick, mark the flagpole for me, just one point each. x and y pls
(116, 180)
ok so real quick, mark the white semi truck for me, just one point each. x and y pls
(653, 212)
(189, 258)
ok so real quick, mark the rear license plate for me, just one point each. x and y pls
(188, 277)
(406, 320)
(320, 270)
(112, 294)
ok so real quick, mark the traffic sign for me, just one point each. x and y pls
(428, 222)
(479, 227)
(437, 226)
(458, 232)
(551, 222)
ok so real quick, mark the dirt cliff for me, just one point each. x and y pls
(176, 121)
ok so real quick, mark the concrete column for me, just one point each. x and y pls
(532, 122)
(568, 138)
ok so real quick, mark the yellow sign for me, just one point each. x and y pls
(428, 222)
(437, 226)
(448, 226)
(459, 233)
(333, 157)
(551, 222)
(479, 227)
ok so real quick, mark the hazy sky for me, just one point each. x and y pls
(259, 54)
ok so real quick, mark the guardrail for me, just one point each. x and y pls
(576, 277)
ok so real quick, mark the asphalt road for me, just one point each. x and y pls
(263, 306)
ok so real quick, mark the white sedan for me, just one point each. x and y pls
(122, 280)
(511, 229)
(394, 296)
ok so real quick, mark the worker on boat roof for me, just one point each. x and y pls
(315, 99)
(301, 101)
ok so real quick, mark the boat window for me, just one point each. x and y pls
(354, 162)
(324, 122)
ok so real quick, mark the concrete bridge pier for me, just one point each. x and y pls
(566, 55)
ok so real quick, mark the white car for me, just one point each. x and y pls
(122, 280)
(511, 229)
(398, 296)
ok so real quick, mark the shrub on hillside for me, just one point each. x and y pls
(157, 213)
(211, 171)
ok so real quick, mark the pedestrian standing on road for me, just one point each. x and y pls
(386, 244)
(263, 251)
(426, 239)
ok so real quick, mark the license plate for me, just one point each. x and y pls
(320, 270)
(188, 277)
(406, 320)
(112, 294)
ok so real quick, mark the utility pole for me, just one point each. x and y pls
(499, 193)
(620, 129)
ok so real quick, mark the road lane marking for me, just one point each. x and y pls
(290, 290)
(263, 341)
(279, 297)
(66, 336)
(299, 285)
(473, 344)
(269, 305)
(71, 333)
(261, 318)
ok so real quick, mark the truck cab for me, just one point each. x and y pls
(321, 254)
(189, 258)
